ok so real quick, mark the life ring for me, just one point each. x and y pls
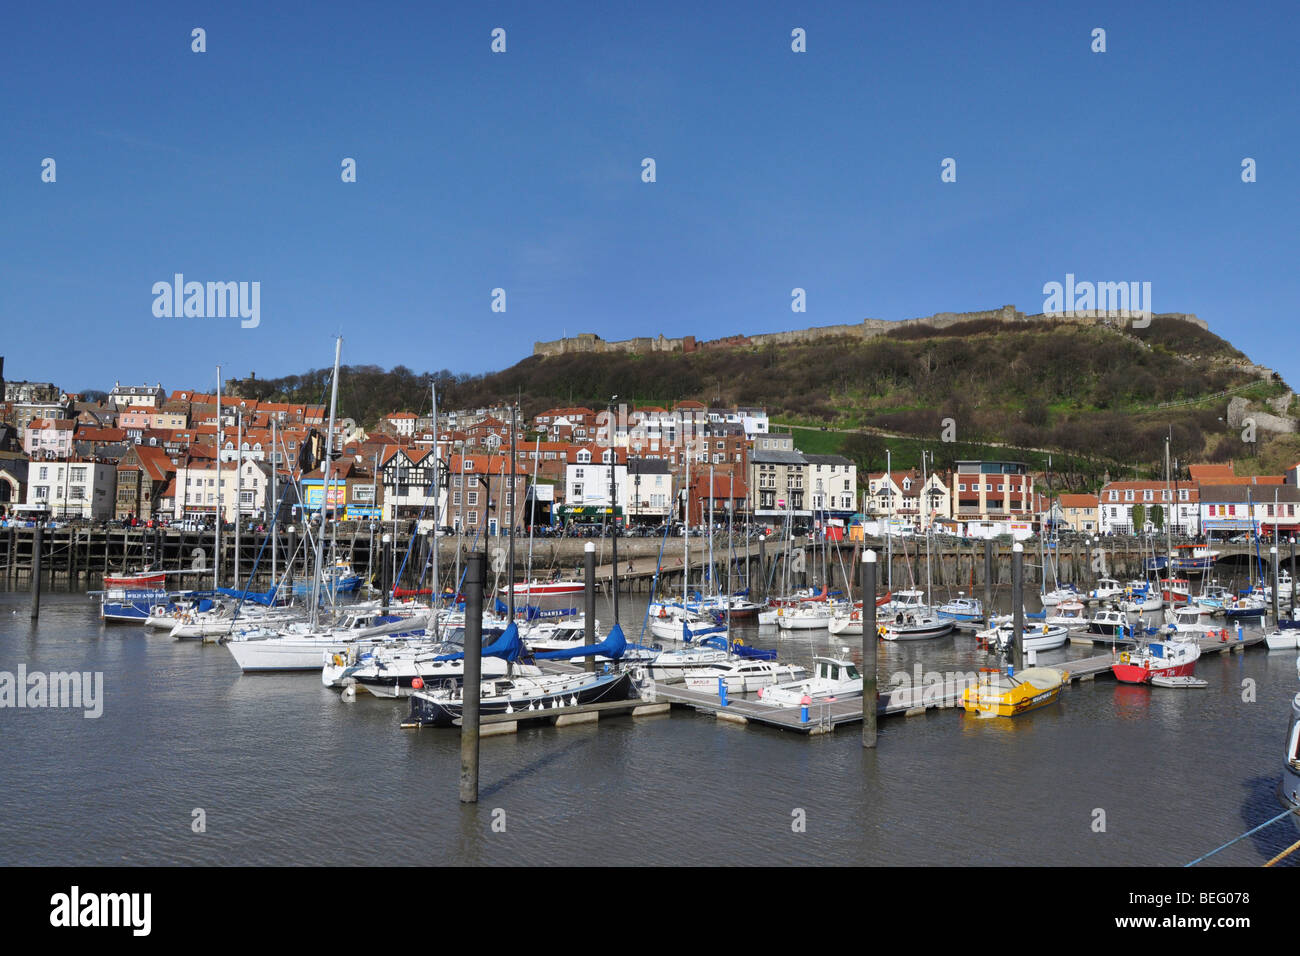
(1044, 629)
(1124, 657)
(338, 661)
(881, 630)
(663, 612)
(739, 642)
(780, 611)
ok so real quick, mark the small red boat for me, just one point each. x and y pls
(139, 581)
(1157, 659)
(542, 588)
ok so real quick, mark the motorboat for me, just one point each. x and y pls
(1108, 624)
(996, 694)
(299, 648)
(808, 617)
(1174, 657)
(833, 679)
(1042, 637)
(1187, 621)
(1213, 599)
(962, 610)
(1107, 589)
(676, 665)
(1069, 615)
(1282, 639)
(902, 602)
(743, 676)
(679, 624)
(1141, 600)
(914, 626)
(1247, 605)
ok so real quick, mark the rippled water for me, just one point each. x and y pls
(288, 774)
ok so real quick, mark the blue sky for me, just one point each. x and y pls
(522, 171)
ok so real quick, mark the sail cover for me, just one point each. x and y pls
(254, 597)
(507, 647)
(612, 647)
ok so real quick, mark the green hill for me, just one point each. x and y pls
(1100, 399)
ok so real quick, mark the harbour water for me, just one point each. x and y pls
(284, 772)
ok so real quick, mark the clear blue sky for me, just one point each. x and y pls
(523, 171)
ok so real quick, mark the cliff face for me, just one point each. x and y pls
(866, 329)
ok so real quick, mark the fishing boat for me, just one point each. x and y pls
(1175, 591)
(1288, 789)
(1001, 695)
(508, 695)
(1194, 559)
(1168, 658)
(915, 626)
(833, 679)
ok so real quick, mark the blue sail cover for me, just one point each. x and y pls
(256, 597)
(508, 647)
(612, 647)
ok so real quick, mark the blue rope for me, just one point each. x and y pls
(1284, 813)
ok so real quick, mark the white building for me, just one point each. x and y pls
(1179, 507)
(85, 489)
(650, 490)
(586, 480)
(245, 490)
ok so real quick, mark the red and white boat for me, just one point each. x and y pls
(141, 580)
(1175, 591)
(544, 588)
(1172, 658)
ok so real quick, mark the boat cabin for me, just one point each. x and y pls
(830, 669)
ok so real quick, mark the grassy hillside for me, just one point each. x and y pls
(1101, 399)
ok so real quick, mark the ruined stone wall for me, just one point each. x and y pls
(867, 328)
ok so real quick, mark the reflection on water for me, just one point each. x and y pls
(287, 773)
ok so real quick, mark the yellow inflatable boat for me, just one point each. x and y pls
(997, 695)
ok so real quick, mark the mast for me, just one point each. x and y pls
(275, 503)
(436, 595)
(686, 531)
(325, 473)
(713, 570)
(510, 575)
(927, 534)
(216, 531)
(1169, 532)
(889, 521)
(239, 491)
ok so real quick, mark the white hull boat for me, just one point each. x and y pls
(832, 680)
(743, 677)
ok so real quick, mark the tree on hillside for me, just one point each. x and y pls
(865, 451)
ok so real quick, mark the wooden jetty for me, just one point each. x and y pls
(823, 717)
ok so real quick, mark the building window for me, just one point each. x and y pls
(472, 518)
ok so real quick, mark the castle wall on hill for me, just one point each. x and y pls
(867, 328)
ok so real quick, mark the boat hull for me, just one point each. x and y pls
(1137, 674)
(427, 712)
